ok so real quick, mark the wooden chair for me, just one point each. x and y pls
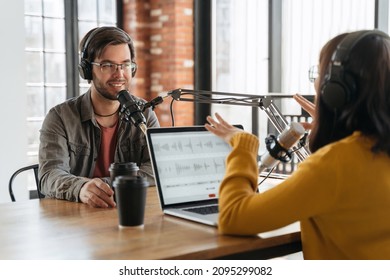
(33, 167)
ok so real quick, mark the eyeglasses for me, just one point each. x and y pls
(313, 73)
(111, 68)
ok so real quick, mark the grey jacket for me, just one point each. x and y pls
(69, 146)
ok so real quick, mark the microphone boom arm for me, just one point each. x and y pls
(264, 102)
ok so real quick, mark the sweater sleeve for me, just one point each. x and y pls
(239, 183)
(245, 212)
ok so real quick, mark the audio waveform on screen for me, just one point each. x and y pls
(184, 168)
(194, 146)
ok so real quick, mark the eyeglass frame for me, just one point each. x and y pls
(313, 73)
(133, 66)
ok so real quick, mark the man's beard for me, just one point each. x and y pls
(103, 92)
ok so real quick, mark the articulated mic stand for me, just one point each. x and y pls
(264, 102)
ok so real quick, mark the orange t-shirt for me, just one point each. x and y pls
(107, 151)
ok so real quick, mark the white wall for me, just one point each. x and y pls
(13, 137)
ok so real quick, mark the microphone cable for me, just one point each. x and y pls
(171, 111)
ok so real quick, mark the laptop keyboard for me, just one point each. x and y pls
(205, 210)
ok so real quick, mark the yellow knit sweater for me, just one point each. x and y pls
(340, 194)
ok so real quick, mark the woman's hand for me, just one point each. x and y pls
(221, 128)
(308, 107)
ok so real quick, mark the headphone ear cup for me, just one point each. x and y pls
(334, 96)
(85, 69)
(338, 92)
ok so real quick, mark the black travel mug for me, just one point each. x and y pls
(130, 195)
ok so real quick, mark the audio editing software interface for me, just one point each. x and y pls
(190, 165)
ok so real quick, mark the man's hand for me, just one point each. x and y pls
(97, 193)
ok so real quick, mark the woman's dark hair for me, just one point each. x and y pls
(369, 110)
(94, 42)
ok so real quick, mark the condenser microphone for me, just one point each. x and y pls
(278, 149)
(131, 110)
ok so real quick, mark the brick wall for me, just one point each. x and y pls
(163, 35)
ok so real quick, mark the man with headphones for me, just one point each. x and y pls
(81, 137)
(340, 194)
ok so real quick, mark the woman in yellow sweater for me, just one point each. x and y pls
(341, 192)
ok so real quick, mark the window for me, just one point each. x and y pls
(240, 57)
(307, 25)
(243, 43)
(45, 67)
(47, 54)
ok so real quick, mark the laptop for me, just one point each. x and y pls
(189, 165)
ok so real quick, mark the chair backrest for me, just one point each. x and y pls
(33, 167)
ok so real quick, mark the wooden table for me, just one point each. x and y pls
(57, 229)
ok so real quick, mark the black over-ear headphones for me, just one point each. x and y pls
(85, 67)
(339, 86)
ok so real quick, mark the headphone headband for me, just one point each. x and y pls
(84, 53)
(339, 86)
(343, 50)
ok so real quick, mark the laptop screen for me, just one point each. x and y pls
(188, 163)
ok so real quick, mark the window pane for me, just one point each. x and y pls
(33, 7)
(87, 10)
(84, 87)
(107, 11)
(54, 96)
(34, 36)
(241, 54)
(35, 101)
(33, 128)
(53, 8)
(84, 27)
(55, 71)
(55, 34)
(308, 25)
(34, 67)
